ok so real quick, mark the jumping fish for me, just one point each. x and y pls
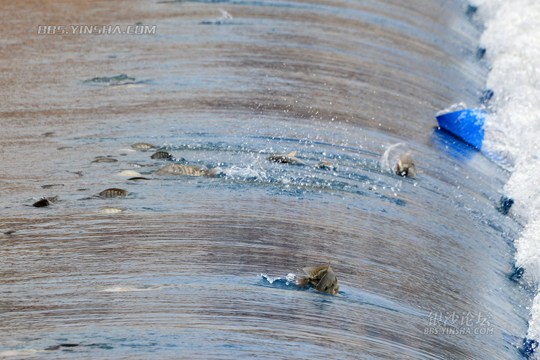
(320, 277)
(185, 170)
(326, 165)
(143, 146)
(161, 155)
(285, 158)
(405, 166)
(113, 192)
(43, 202)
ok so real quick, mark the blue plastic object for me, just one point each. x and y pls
(466, 124)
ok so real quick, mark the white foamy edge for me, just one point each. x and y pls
(513, 51)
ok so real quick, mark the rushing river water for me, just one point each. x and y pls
(194, 267)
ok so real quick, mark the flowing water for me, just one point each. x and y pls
(195, 267)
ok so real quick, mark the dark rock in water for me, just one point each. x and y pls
(528, 347)
(113, 192)
(505, 204)
(486, 96)
(9, 232)
(517, 273)
(143, 146)
(48, 134)
(104, 159)
(161, 155)
(121, 79)
(59, 346)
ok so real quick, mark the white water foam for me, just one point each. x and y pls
(511, 38)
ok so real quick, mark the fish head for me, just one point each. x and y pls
(328, 283)
(405, 166)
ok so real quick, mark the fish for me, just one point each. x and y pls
(326, 165)
(185, 170)
(405, 166)
(104, 159)
(161, 155)
(59, 346)
(113, 192)
(122, 79)
(321, 277)
(43, 202)
(285, 158)
(143, 146)
(48, 186)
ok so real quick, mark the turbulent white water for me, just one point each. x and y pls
(511, 38)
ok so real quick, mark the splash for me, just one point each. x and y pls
(512, 50)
